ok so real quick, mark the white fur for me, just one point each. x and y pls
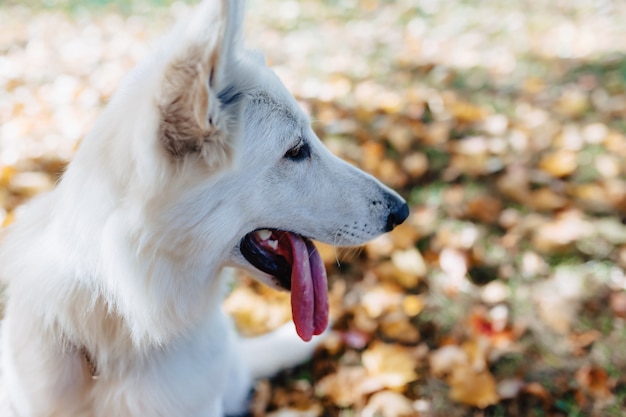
(123, 259)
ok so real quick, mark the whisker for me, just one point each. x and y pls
(335, 244)
(353, 252)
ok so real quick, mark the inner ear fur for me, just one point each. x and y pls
(188, 104)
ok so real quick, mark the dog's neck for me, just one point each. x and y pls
(107, 339)
(159, 278)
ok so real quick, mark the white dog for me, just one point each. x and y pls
(202, 160)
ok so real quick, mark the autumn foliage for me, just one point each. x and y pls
(502, 123)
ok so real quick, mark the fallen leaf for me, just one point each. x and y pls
(8, 219)
(392, 365)
(345, 387)
(573, 103)
(380, 299)
(559, 163)
(400, 137)
(415, 164)
(437, 133)
(545, 199)
(509, 388)
(29, 184)
(484, 208)
(6, 173)
(397, 327)
(411, 263)
(412, 305)
(618, 303)
(538, 390)
(595, 381)
(262, 398)
(558, 298)
(473, 388)
(514, 183)
(380, 247)
(373, 154)
(492, 325)
(254, 314)
(495, 292)
(453, 262)
(443, 360)
(559, 234)
(467, 112)
(388, 404)
(405, 235)
(356, 339)
(390, 173)
(314, 411)
(582, 342)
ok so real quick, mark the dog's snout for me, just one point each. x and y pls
(398, 212)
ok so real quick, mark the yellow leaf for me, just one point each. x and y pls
(573, 103)
(6, 173)
(8, 219)
(473, 388)
(413, 305)
(559, 164)
(345, 387)
(467, 112)
(534, 85)
(393, 365)
(465, 370)
(396, 326)
(391, 102)
(404, 236)
(255, 314)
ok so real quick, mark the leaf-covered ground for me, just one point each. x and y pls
(502, 122)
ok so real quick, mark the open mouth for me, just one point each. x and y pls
(295, 262)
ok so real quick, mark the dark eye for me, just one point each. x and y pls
(299, 152)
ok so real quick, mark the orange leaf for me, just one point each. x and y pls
(595, 381)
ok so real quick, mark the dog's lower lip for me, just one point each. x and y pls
(266, 261)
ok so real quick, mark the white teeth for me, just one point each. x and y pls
(273, 244)
(264, 234)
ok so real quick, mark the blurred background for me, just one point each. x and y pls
(503, 122)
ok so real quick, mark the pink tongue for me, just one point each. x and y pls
(309, 286)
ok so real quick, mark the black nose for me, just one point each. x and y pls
(398, 212)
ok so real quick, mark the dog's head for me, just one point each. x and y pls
(242, 172)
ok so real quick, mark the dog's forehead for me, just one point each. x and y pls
(269, 90)
(278, 105)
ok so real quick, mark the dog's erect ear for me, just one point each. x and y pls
(192, 121)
